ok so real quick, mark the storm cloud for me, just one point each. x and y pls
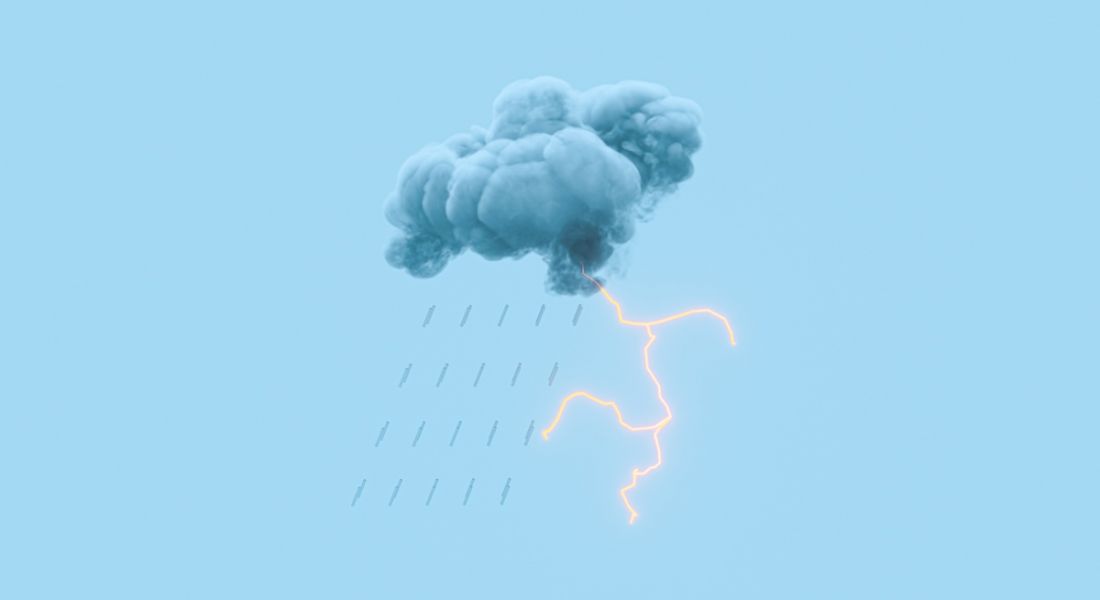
(559, 172)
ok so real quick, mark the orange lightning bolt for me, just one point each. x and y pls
(656, 428)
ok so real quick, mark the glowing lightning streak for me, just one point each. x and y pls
(656, 428)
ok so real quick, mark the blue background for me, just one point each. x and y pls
(200, 340)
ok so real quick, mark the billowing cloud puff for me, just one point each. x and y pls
(562, 173)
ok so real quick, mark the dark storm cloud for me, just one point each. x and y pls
(562, 173)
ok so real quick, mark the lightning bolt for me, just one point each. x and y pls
(655, 428)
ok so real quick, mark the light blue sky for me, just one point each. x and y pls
(200, 339)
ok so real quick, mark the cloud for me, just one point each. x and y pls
(559, 172)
